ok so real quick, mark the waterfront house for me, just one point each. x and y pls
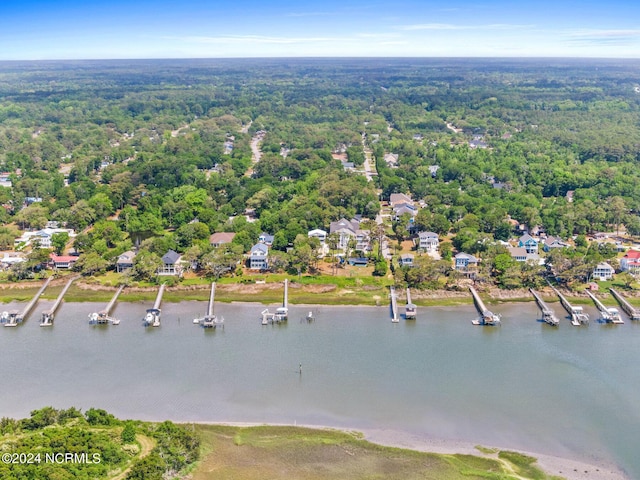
(519, 254)
(552, 242)
(125, 261)
(41, 237)
(319, 234)
(406, 260)
(220, 238)
(631, 262)
(171, 264)
(529, 243)
(350, 229)
(62, 261)
(259, 257)
(266, 239)
(428, 242)
(603, 271)
(466, 264)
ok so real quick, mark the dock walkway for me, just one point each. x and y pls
(48, 315)
(633, 312)
(548, 316)
(578, 317)
(14, 317)
(609, 314)
(152, 317)
(487, 317)
(103, 317)
(394, 304)
(210, 320)
(410, 309)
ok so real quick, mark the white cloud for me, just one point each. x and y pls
(449, 26)
(256, 39)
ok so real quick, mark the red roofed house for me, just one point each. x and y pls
(631, 262)
(62, 261)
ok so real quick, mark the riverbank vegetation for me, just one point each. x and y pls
(104, 447)
(55, 443)
(155, 156)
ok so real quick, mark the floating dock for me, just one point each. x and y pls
(281, 314)
(487, 317)
(578, 317)
(14, 317)
(410, 309)
(548, 316)
(609, 314)
(103, 316)
(633, 312)
(152, 317)
(394, 305)
(48, 315)
(210, 320)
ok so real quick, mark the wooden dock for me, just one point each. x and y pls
(548, 316)
(394, 305)
(103, 317)
(281, 314)
(608, 314)
(15, 317)
(152, 317)
(410, 311)
(210, 320)
(578, 317)
(487, 317)
(49, 315)
(633, 312)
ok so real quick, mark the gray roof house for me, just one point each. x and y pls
(259, 257)
(125, 261)
(171, 264)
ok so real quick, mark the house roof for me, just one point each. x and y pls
(62, 258)
(266, 238)
(551, 240)
(126, 257)
(259, 247)
(343, 223)
(604, 266)
(406, 256)
(221, 237)
(428, 235)
(316, 231)
(632, 255)
(171, 257)
(526, 237)
(517, 251)
(462, 255)
(399, 198)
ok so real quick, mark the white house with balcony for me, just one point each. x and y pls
(259, 257)
(603, 271)
(428, 242)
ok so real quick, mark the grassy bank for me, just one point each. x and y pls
(279, 452)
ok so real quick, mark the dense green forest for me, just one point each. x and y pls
(132, 153)
(65, 444)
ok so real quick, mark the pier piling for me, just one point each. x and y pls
(410, 309)
(578, 317)
(103, 317)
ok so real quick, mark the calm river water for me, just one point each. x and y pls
(566, 391)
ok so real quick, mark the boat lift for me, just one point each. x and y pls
(487, 317)
(152, 317)
(210, 320)
(281, 314)
(410, 309)
(48, 315)
(103, 316)
(13, 318)
(608, 314)
(578, 317)
(548, 316)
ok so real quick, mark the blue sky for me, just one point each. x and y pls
(82, 29)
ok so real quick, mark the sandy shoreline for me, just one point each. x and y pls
(569, 468)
